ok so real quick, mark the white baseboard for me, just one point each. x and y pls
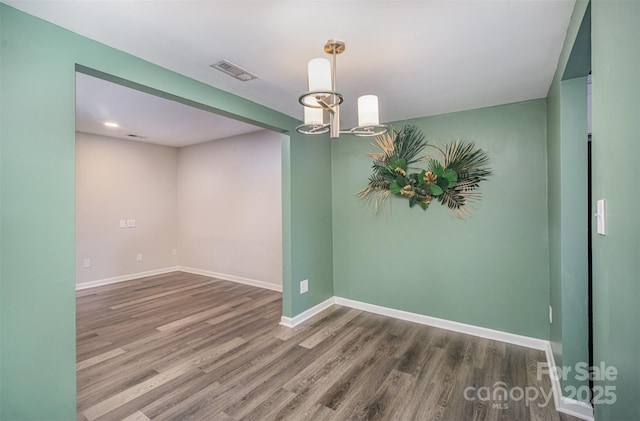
(563, 404)
(307, 314)
(482, 332)
(130, 277)
(233, 278)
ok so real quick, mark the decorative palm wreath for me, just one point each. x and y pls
(452, 182)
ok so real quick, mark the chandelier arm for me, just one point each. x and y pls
(312, 99)
(326, 106)
(313, 129)
(365, 131)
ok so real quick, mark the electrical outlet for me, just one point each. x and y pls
(131, 223)
(304, 286)
(123, 223)
(174, 252)
(139, 257)
(550, 314)
(86, 263)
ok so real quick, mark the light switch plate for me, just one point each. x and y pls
(601, 217)
(304, 286)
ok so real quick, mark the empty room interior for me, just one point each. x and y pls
(280, 210)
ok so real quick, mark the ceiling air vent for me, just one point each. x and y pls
(233, 70)
(136, 136)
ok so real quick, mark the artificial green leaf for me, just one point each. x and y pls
(394, 187)
(451, 176)
(412, 202)
(420, 177)
(388, 171)
(437, 168)
(443, 183)
(423, 205)
(400, 163)
(435, 190)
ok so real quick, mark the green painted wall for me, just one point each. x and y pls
(575, 227)
(307, 240)
(37, 292)
(491, 270)
(312, 255)
(615, 41)
(567, 178)
(37, 246)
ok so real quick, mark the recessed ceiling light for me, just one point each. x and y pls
(111, 124)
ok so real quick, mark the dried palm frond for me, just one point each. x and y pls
(378, 181)
(428, 156)
(464, 158)
(394, 145)
(386, 144)
(453, 179)
(409, 143)
(470, 165)
(377, 191)
(458, 201)
(377, 196)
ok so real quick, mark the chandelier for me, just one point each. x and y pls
(323, 99)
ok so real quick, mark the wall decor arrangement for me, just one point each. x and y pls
(453, 180)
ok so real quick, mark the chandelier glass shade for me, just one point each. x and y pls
(323, 99)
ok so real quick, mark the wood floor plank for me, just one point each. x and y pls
(175, 393)
(208, 400)
(182, 347)
(203, 315)
(329, 329)
(81, 365)
(136, 416)
(389, 399)
(133, 392)
(346, 348)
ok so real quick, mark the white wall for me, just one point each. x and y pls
(115, 180)
(230, 211)
(217, 203)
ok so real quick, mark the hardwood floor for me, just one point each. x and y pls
(188, 347)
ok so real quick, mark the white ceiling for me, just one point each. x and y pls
(147, 117)
(420, 57)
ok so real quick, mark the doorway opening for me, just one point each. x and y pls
(154, 192)
(165, 187)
